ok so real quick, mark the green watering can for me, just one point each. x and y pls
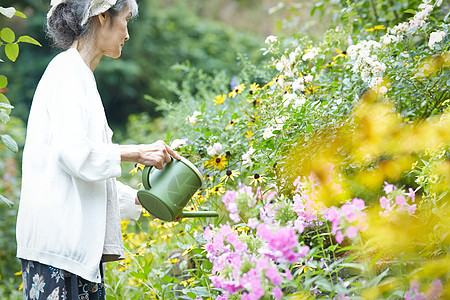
(166, 192)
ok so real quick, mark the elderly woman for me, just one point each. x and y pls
(71, 204)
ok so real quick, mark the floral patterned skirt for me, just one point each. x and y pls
(45, 282)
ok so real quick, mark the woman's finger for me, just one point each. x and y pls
(173, 153)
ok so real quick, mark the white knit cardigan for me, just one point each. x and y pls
(66, 164)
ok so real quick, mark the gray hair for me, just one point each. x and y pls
(64, 24)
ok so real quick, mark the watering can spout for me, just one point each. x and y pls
(198, 214)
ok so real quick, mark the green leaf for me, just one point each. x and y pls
(3, 81)
(4, 117)
(410, 11)
(7, 107)
(9, 203)
(7, 35)
(9, 142)
(29, 40)
(7, 12)
(12, 51)
(20, 14)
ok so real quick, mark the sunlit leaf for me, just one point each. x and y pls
(3, 81)
(4, 117)
(7, 35)
(20, 14)
(29, 40)
(9, 142)
(12, 51)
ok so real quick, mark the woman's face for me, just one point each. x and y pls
(112, 34)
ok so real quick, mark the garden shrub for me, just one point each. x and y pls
(330, 170)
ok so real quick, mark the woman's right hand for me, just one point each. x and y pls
(156, 154)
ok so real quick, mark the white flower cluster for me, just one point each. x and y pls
(311, 53)
(194, 118)
(395, 34)
(276, 124)
(299, 83)
(436, 37)
(272, 43)
(421, 16)
(366, 63)
(214, 149)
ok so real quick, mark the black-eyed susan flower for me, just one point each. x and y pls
(257, 179)
(218, 162)
(254, 88)
(137, 167)
(230, 174)
(231, 124)
(339, 54)
(237, 90)
(188, 250)
(218, 190)
(254, 118)
(220, 99)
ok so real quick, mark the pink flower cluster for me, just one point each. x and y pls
(347, 220)
(236, 200)
(397, 200)
(283, 245)
(434, 292)
(237, 270)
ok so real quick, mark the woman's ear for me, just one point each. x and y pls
(102, 18)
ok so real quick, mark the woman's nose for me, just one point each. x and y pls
(127, 37)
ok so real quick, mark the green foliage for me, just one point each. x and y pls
(327, 122)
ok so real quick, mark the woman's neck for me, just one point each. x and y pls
(89, 54)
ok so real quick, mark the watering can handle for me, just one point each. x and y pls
(146, 177)
(198, 214)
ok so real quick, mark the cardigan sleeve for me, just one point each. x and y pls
(128, 207)
(73, 111)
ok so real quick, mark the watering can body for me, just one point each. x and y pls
(166, 192)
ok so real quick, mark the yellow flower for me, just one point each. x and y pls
(339, 54)
(137, 167)
(230, 175)
(257, 179)
(188, 250)
(218, 190)
(254, 88)
(218, 162)
(254, 118)
(173, 260)
(377, 27)
(231, 124)
(186, 282)
(237, 90)
(248, 134)
(220, 99)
